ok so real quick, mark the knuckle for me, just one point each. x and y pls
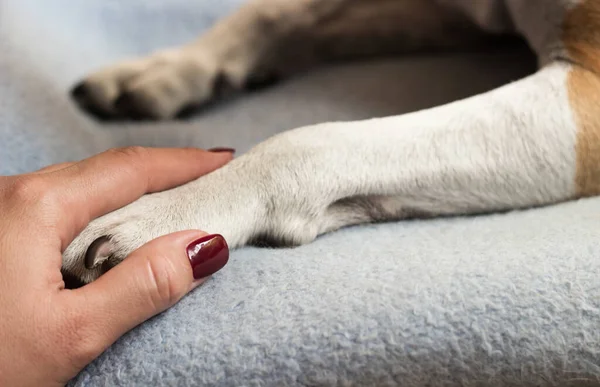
(33, 190)
(135, 158)
(133, 153)
(26, 188)
(164, 290)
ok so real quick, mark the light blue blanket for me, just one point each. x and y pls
(509, 299)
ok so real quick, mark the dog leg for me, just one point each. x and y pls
(515, 147)
(269, 39)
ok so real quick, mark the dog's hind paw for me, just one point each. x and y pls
(157, 87)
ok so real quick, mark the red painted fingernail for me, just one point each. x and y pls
(221, 149)
(208, 255)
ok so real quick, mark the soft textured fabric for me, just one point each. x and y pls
(505, 299)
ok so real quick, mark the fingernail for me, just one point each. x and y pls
(221, 149)
(208, 255)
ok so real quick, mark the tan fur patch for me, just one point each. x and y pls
(581, 38)
(584, 96)
(581, 35)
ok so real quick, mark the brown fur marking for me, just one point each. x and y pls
(584, 96)
(581, 35)
(581, 39)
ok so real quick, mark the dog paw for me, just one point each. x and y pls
(106, 241)
(156, 87)
(208, 204)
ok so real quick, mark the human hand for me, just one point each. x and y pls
(49, 333)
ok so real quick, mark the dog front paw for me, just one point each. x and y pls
(208, 204)
(106, 241)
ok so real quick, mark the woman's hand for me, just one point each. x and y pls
(49, 333)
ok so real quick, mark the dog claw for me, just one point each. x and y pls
(98, 252)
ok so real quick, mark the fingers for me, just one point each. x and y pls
(110, 180)
(150, 280)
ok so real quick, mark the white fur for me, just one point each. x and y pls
(510, 148)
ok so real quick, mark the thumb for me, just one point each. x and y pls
(150, 280)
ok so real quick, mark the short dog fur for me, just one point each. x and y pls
(529, 143)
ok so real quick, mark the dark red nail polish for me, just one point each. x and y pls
(221, 149)
(208, 255)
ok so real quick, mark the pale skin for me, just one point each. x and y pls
(49, 333)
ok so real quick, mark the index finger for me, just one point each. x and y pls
(117, 177)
